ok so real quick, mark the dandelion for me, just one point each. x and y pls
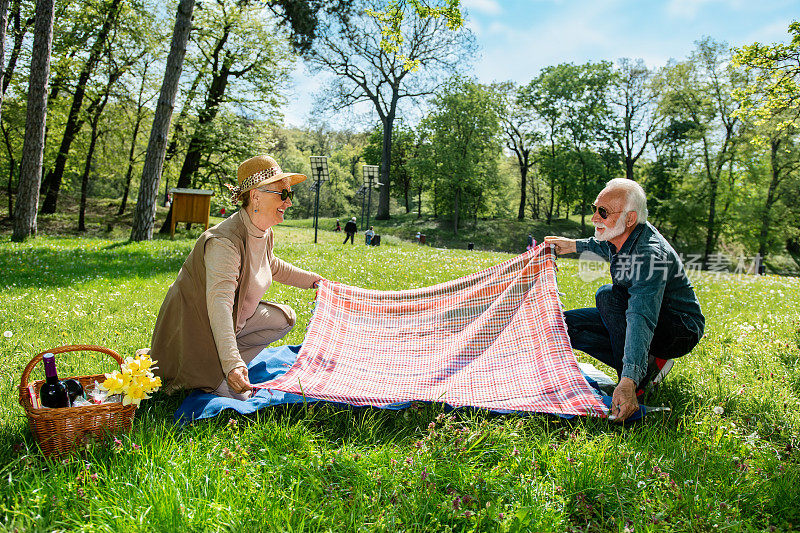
(8, 334)
(718, 410)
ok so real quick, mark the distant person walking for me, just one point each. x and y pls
(350, 230)
(338, 226)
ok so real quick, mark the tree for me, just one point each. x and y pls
(300, 15)
(585, 113)
(772, 100)
(33, 147)
(3, 24)
(463, 145)
(404, 150)
(699, 91)
(244, 65)
(633, 99)
(350, 49)
(144, 214)
(138, 116)
(520, 135)
(775, 88)
(52, 182)
(547, 95)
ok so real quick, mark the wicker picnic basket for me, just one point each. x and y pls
(59, 431)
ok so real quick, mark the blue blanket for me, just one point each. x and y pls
(271, 363)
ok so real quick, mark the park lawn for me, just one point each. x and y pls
(725, 458)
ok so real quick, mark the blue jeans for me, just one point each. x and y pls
(600, 331)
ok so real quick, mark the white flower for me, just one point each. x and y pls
(8, 334)
(719, 410)
(641, 484)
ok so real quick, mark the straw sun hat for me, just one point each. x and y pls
(260, 170)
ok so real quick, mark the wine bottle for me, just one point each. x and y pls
(74, 389)
(53, 393)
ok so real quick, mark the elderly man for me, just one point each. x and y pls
(649, 315)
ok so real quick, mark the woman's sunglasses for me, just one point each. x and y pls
(285, 193)
(603, 211)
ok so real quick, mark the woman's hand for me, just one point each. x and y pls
(238, 381)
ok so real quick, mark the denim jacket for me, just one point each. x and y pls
(653, 274)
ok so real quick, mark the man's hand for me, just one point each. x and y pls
(238, 381)
(562, 244)
(624, 402)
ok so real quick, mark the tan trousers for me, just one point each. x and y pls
(270, 322)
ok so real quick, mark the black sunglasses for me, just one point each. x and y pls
(603, 211)
(285, 193)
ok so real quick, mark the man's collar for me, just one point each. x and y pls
(630, 242)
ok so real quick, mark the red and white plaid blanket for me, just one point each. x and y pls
(494, 339)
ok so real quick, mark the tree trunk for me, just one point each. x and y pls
(198, 145)
(3, 24)
(583, 197)
(419, 203)
(33, 145)
(711, 221)
(12, 164)
(157, 145)
(773, 186)
(85, 178)
(172, 149)
(629, 161)
(386, 161)
(522, 159)
(552, 180)
(95, 121)
(129, 172)
(19, 37)
(455, 211)
(52, 182)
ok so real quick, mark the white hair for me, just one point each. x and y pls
(635, 198)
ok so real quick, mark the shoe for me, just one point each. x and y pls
(663, 366)
(657, 370)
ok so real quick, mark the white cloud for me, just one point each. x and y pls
(488, 7)
(775, 32)
(688, 9)
(584, 31)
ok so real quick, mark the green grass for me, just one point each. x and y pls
(323, 468)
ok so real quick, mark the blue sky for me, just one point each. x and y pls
(516, 38)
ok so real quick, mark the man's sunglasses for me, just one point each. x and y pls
(603, 211)
(285, 193)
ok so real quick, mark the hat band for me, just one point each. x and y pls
(248, 183)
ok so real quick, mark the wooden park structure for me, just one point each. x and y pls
(190, 205)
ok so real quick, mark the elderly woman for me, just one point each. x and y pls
(213, 322)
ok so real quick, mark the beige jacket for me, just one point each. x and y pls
(190, 351)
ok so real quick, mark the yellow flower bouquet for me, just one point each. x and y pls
(135, 380)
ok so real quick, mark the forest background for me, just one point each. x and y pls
(712, 137)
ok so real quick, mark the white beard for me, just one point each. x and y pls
(611, 233)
